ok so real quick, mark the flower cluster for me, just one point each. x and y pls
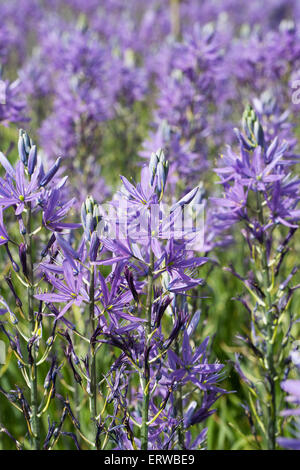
(138, 309)
(261, 195)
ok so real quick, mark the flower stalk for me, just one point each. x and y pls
(146, 371)
(271, 425)
(179, 406)
(93, 398)
(35, 424)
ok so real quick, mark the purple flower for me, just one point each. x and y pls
(18, 192)
(175, 261)
(251, 169)
(194, 366)
(12, 104)
(115, 300)
(54, 212)
(141, 195)
(69, 292)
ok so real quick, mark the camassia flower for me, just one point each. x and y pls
(283, 202)
(257, 172)
(115, 299)
(175, 261)
(232, 208)
(254, 168)
(54, 212)
(69, 292)
(194, 367)
(143, 194)
(17, 191)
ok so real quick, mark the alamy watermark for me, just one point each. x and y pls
(122, 221)
(296, 93)
(2, 352)
(2, 92)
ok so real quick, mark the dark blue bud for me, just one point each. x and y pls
(32, 159)
(14, 264)
(94, 246)
(21, 148)
(27, 142)
(22, 256)
(49, 244)
(48, 177)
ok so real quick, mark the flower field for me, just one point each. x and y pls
(149, 225)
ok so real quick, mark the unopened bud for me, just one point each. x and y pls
(49, 176)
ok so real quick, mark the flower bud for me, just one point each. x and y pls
(32, 159)
(48, 246)
(189, 413)
(152, 166)
(49, 176)
(162, 174)
(13, 263)
(159, 167)
(22, 256)
(21, 147)
(252, 127)
(24, 146)
(130, 282)
(94, 246)
(90, 216)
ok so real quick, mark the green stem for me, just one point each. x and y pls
(146, 372)
(93, 398)
(179, 407)
(76, 390)
(35, 423)
(271, 404)
(179, 400)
